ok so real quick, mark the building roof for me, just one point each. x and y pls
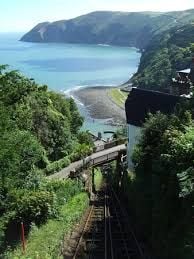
(140, 102)
(185, 71)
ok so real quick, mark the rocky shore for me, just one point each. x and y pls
(99, 104)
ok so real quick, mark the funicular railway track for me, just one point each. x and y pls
(106, 232)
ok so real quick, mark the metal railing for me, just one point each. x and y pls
(110, 144)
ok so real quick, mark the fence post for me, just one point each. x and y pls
(23, 238)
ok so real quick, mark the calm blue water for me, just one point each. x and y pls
(67, 66)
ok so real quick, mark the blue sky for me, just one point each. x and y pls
(22, 15)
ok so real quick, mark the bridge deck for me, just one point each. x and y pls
(95, 159)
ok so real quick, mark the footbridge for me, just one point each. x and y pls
(99, 158)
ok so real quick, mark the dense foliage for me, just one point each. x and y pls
(40, 130)
(161, 190)
(167, 52)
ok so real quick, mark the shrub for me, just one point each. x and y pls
(64, 190)
(57, 165)
(81, 151)
(75, 156)
(32, 206)
(84, 137)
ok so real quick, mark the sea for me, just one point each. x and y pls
(65, 67)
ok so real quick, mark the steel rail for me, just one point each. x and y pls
(120, 226)
(96, 226)
(91, 219)
(110, 235)
(105, 227)
(109, 203)
(83, 232)
(129, 227)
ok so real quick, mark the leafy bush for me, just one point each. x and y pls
(81, 151)
(75, 156)
(85, 137)
(32, 206)
(44, 242)
(64, 190)
(20, 153)
(57, 166)
(98, 179)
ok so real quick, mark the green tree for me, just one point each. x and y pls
(38, 129)
(163, 183)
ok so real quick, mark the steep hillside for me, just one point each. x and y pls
(118, 28)
(169, 51)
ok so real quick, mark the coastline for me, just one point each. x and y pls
(99, 103)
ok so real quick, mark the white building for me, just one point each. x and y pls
(138, 104)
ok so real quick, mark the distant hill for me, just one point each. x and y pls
(117, 28)
(164, 38)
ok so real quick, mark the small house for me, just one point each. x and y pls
(139, 103)
(183, 83)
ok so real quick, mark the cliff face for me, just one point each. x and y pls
(37, 33)
(95, 28)
(117, 28)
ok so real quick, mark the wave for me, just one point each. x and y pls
(104, 45)
(69, 94)
(70, 90)
(78, 87)
(77, 100)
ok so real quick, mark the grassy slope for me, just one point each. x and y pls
(117, 96)
(44, 242)
(98, 178)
